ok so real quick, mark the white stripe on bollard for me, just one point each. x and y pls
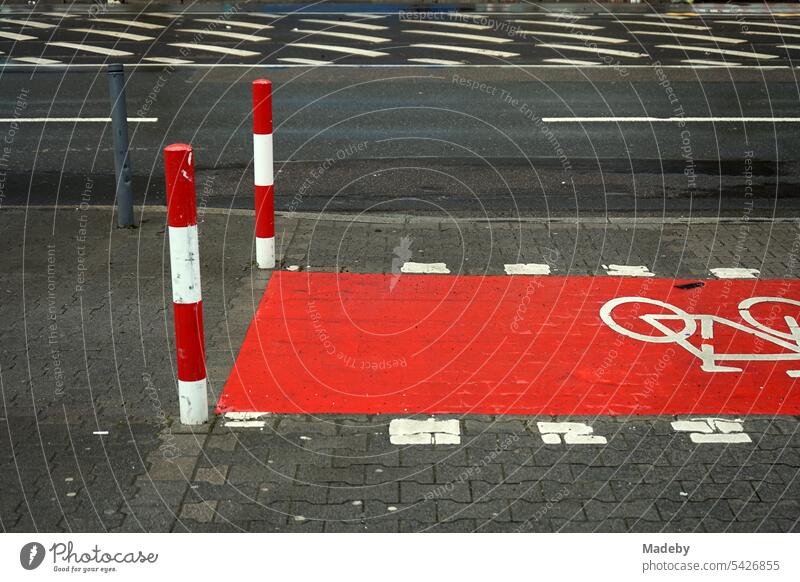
(185, 264)
(262, 159)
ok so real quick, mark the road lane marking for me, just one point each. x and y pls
(339, 49)
(298, 61)
(37, 60)
(703, 37)
(664, 24)
(239, 23)
(167, 60)
(133, 23)
(735, 273)
(115, 34)
(712, 430)
(527, 269)
(408, 431)
(770, 33)
(214, 49)
(347, 35)
(16, 36)
(466, 25)
(435, 61)
(764, 24)
(574, 433)
(466, 49)
(462, 36)
(578, 36)
(560, 24)
(573, 62)
(596, 50)
(27, 23)
(59, 14)
(671, 119)
(224, 34)
(245, 419)
(628, 271)
(73, 119)
(99, 50)
(347, 23)
(705, 63)
(424, 268)
(789, 46)
(717, 51)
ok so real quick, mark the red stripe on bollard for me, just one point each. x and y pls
(265, 211)
(263, 174)
(190, 341)
(262, 106)
(179, 171)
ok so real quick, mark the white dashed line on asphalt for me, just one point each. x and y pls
(465, 25)
(114, 34)
(735, 273)
(16, 36)
(346, 35)
(131, 23)
(339, 49)
(167, 60)
(527, 269)
(239, 23)
(671, 119)
(461, 36)
(700, 37)
(424, 268)
(98, 50)
(59, 14)
(718, 51)
(628, 271)
(466, 49)
(407, 431)
(435, 61)
(574, 433)
(169, 15)
(298, 61)
(596, 50)
(560, 24)
(574, 62)
(713, 430)
(37, 61)
(578, 36)
(73, 119)
(664, 24)
(224, 34)
(702, 63)
(770, 33)
(763, 24)
(27, 23)
(245, 419)
(214, 49)
(332, 23)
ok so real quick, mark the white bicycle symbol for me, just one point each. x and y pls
(789, 340)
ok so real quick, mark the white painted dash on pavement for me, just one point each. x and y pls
(466, 25)
(215, 49)
(628, 271)
(461, 36)
(713, 430)
(419, 268)
(114, 34)
(27, 23)
(298, 61)
(527, 269)
(37, 61)
(574, 62)
(16, 36)
(339, 49)
(770, 33)
(466, 49)
(346, 35)
(590, 49)
(578, 36)
(735, 273)
(671, 119)
(560, 24)
(98, 50)
(718, 51)
(239, 23)
(760, 23)
(664, 24)
(348, 24)
(131, 23)
(707, 63)
(435, 61)
(167, 60)
(701, 37)
(574, 433)
(73, 119)
(408, 431)
(224, 34)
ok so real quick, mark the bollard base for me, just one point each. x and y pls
(193, 401)
(265, 252)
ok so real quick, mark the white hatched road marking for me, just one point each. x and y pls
(713, 430)
(424, 268)
(665, 24)
(132, 23)
(628, 271)
(98, 50)
(462, 36)
(37, 61)
(347, 23)
(16, 36)
(717, 51)
(670, 119)
(59, 14)
(575, 433)
(705, 63)
(167, 60)
(527, 269)
(73, 119)
(239, 23)
(718, 39)
(578, 36)
(574, 62)
(164, 14)
(27, 23)
(735, 273)
(596, 50)
(560, 24)
(770, 33)
(113, 33)
(466, 25)
(466, 49)
(407, 431)
(789, 46)
(436, 61)
(764, 24)
(215, 49)
(298, 61)
(339, 49)
(347, 35)
(224, 34)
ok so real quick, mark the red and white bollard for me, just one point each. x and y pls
(262, 168)
(184, 258)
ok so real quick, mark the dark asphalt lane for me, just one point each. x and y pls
(420, 139)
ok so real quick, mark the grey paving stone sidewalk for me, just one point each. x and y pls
(87, 380)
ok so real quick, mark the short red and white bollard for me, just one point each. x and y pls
(184, 258)
(262, 168)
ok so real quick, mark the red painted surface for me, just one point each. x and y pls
(345, 343)
(179, 172)
(189, 341)
(262, 106)
(265, 211)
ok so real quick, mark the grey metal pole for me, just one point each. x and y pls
(122, 161)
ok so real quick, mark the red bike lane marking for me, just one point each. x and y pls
(403, 344)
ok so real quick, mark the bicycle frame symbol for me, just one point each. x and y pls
(710, 360)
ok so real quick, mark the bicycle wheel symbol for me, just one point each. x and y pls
(669, 335)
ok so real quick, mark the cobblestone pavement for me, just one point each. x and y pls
(86, 348)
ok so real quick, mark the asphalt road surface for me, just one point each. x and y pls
(623, 113)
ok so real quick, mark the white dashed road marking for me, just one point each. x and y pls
(701, 37)
(339, 49)
(132, 23)
(245, 419)
(589, 49)
(73, 119)
(407, 431)
(527, 269)
(735, 273)
(360, 25)
(713, 430)
(466, 49)
(98, 50)
(37, 61)
(167, 60)
(418, 268)
(435, 61)
(298, 61)
(574, 433)
(461, 36)
(671, 119)
(717, 51)
(225, 34)
(573, 62)
(347, 35)
(215, 49)
(764, 24)
(16, 36)
(114, 34)
(239, 23)
(27, 23)
(664, 24)
(628, 271)
(560, 24)
(705, 63)
(581, 37)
